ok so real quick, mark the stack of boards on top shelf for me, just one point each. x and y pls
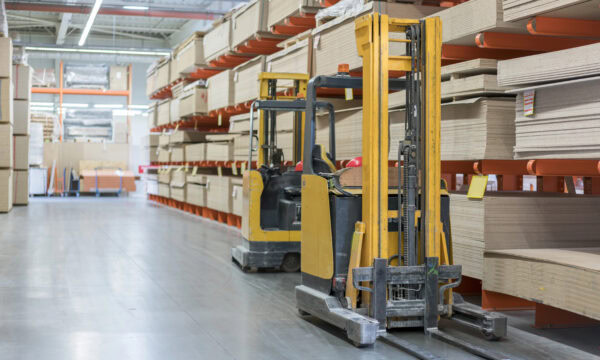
(571, 9)
(558, 106)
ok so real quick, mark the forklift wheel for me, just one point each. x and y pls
(291, 262)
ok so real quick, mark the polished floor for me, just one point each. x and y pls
(123, 278)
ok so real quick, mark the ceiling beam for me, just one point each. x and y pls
(82, 9)
(61, 34)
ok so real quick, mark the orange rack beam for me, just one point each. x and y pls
(539, 167)
(541, 25)
(260, 45)
(307, 21)
(229, 61)
(288, 29)
(463, 53)
(525, 42)
(202, 73)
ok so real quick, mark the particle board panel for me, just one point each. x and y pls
(571, 9)
(186, 136)
(565, 123)
(461, 23)
(153, 154)
(237, 196)
(163, 73)
(239, 124)
(163, 112)
(217, 40)
(164, 176)
(195, 194)
(249, 21)
(177, 153)
(6, 101)
(6, 146)
(6, 190)
(335, 41)
(164, 154)
(519, 221)
(190, 54)
(219, 151)
(245, 79)
(152, 139)
(241, 147)
(21, 79)
(560, 65)
(565, 278)
(195, 152)
(164, 190)
(21, 152)
(218, 193)
(193, 101)
(293, 59)
(220, 90)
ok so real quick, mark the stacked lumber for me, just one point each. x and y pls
(163, 112)
(193, 101)
(164, 181)
(163, 73)
(218, 193)
(294, 58)
(462, 23)
(195, 189)
(177, 184)
(249, 22)
(217, 41)
(220, 90)
(195, 152)
(505, 220)
(189, 54)
(245, 79)
(566, 64)
(335, 41)
(565, 278)
(220, 147)
(565, 122)
(574, 9)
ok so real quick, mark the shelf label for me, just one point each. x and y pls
(194, 170)
(220, 119)
(477, 187)
(233, 169)
(349, 94)
(528, 102)
(220, 171)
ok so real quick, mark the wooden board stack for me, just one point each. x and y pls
(573, 9)
(245, 80)
(505, 220)
(221, 90)
(565, 278)
(563, 121)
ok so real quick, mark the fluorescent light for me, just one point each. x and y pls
(143, 107)
(41, 108)
(34, 103)
(98, 51)
(90, 22)
(108, 106)
(133, 7)
(124, 112)
(72, 105)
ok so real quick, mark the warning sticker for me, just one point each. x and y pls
(528, 102)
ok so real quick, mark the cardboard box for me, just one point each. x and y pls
(6, 187)
(20, 187)
(21, 149)
(6, 146)
(118, 77)
(194, 101)
(21, 117)
(6, 101)
(21, 79)
(6, 54)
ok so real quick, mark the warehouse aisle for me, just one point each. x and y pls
(124, 278)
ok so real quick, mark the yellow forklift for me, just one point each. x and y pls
(271, 191)
(376, 247)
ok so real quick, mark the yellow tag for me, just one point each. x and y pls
(477, 187)
(185, 167)
(180, 168)
(194, 170)
(243, 168)
(176, 127)
(219, 171)
(233, 169)
(220, 119)
(349, 94)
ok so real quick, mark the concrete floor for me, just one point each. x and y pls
(123, 278)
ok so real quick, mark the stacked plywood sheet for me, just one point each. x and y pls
(190, 54)
(245, 79)
(186, 136)
(567, 278)
(249, 22)
(281, 10)
(220, 90)
(193, 101)
(572, 9)
(237, 196)
(177, 185)
(163, 112)
(163, 72)
(553, 66)
(218, 193)
(335, 41)
(220, 147)
(565, 122)
(195, 189)
(217, 41)
(195, 152)
(462, 23)
(519, 221)
(295, 58)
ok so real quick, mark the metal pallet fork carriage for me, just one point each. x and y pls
(376, 253)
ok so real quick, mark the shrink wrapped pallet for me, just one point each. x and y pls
(248, 22)
(335, 41)
(519, 221)
(195, 152)
(190, 54)
(568, 279)
(245, 79)
(218, 193)
(193, 101)
(36, 145)
(220, 90)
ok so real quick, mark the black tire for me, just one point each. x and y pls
(291, 262)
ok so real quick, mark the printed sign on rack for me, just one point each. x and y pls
(528, 102)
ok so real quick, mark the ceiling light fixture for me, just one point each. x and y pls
(135, 7)
(90, 22)
(74, 105)
(108, 106)
(98, 51)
